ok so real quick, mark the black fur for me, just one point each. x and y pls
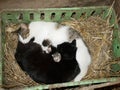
(42, 68)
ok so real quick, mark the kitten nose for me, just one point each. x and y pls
(46, 42)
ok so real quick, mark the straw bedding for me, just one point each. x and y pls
(96, 33)
(13, 75)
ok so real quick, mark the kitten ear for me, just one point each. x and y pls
(73, 42)
(32, 39)
(24, 26)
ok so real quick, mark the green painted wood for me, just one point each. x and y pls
(1, 62)
(115, 67)
(58, 15)
(68, 84)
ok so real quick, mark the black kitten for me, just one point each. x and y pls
(42, 68)
(67, 50)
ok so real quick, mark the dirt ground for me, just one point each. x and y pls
(49, 3)
(22, 4)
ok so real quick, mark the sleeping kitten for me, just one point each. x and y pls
(42, 68)
(56, 35)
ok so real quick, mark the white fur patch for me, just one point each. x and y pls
(47, 30)
(83, 58)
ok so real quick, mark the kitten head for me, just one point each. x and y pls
(46, 45)
(56, 57)
(67, 50)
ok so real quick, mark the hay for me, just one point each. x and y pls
(96, 33)
(13, 75)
